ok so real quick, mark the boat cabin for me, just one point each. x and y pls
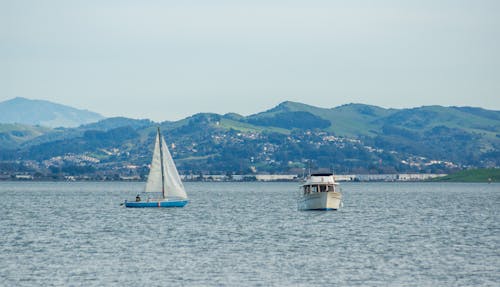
(323, 182)
(320, 188)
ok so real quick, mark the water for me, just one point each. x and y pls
(250, 234)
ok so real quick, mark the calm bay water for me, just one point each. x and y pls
(250, 234)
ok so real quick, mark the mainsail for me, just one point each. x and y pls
(163, 175)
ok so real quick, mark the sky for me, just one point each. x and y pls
(166, 60)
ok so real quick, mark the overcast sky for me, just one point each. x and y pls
(165, 60)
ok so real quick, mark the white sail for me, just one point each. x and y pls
(173, 184)
(154, 183)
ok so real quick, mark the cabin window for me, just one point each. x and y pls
(314, 188)
(307, 189)
(322, 188)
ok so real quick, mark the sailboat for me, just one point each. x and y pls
(163, 178)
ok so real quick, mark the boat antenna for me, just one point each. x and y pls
(161, 164)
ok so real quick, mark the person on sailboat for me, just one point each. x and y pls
(137, 198)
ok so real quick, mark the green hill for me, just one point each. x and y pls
(347, 120)
(13, 135)
(364, 120)
(473, 175)
(350, 138)
(457, 134)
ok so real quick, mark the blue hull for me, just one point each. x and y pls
(145, 204)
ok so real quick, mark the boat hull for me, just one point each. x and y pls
(163, 203)
(320, 201)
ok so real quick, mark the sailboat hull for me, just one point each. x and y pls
(165, 203)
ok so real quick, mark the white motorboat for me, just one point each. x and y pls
(320, 192)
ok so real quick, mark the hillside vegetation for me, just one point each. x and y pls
(13, 135)
(288, 138)
(473, 175)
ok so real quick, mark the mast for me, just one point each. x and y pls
(161, 164)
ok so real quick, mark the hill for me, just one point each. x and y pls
(44, 113)
(13, 135)
(67, 134)
(473, 175)
(352, 120)
(359, 120)
(459, 134)
(290, 137)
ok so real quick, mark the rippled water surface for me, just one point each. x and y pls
(250, 234)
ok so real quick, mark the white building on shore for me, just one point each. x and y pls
(295, 177)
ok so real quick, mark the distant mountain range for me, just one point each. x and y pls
(44, 113)
(287, 138)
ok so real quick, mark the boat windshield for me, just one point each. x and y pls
(319, 188)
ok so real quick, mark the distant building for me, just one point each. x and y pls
(24, 177)
(397, 177)
(131, 178)
(276, 177)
